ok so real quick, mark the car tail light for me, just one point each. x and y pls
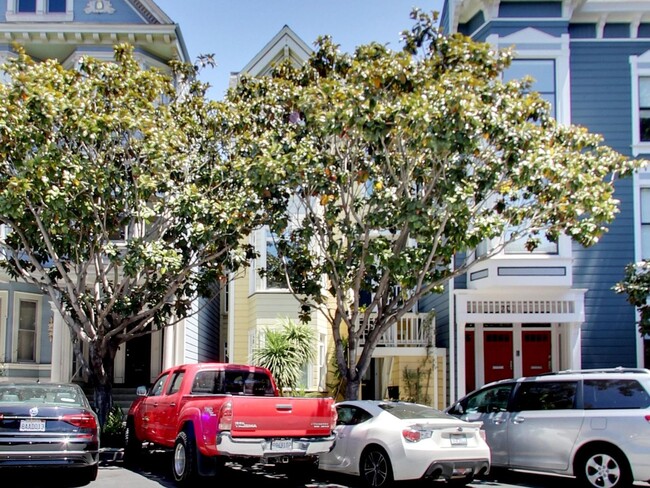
(225, 416)
(483, 435)
(647, 417)
(411, 435)
(81, 420)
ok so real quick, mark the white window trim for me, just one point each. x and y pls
(639, 67)
(41, 14)
(18, 297)
(531, 43)
(4, 326)
(641, 181)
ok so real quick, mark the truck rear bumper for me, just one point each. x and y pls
(270, 448)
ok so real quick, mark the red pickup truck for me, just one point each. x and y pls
(209, 413)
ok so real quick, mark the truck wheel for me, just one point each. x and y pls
(184, 461)
(132, 445)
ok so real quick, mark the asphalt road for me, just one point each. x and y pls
(154, 471)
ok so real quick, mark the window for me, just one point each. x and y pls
(542, 71)
(25, 6)
(487, 401)
(176, 382)
(645, 223)
(611, 394)
(644, 109)
(56, 6)
(27, 331)
(157, 388)
(545, 395)
(39, 10)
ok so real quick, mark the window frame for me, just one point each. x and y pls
(639, 68)
(4, 324)
(40, 14)
(38, 300)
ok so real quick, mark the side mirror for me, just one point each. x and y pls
(141, 391)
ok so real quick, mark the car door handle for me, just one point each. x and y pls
(497, 421)
(172, 404)
(518, 420)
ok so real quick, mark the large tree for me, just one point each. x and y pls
(385, 170)
(120, 199)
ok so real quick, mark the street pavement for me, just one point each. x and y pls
(155, 471)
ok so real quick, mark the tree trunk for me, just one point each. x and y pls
(352, 384)
(101, 372)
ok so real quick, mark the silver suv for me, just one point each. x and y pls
(591, 424)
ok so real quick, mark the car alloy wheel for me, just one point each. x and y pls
(603, 468)
(376, 470)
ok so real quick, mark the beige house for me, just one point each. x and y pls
(252, 303)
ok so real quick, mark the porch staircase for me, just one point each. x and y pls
(123, 396)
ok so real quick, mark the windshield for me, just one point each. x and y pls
(406, 411)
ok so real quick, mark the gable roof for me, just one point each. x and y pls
(286, 44)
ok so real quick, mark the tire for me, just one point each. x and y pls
(132, 445)
(375, 468)
(603, 467)
(184, 466)
(90, 473)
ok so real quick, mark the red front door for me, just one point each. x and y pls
(470, 361)
(498, 354)
(536, 352)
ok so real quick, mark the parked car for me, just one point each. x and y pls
(591, 424)
(386, 441)
(48, 425)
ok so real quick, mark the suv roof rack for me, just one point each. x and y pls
(617, 369)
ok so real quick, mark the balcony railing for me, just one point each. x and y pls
(412, 330)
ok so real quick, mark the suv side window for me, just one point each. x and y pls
(545, 395)
(494, 399)
(610, 394)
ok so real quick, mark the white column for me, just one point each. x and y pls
(575, 339)
(168, 346)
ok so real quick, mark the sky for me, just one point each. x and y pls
(236, 30)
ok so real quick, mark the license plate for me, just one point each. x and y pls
(458, 440)
(281, 445)
(32, 426)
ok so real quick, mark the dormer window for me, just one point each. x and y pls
(39, 10)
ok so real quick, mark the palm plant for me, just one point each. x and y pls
(285, 352)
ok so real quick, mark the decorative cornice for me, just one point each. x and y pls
(144, 11)
(99, 7)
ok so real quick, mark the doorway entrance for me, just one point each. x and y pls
(138, 361)
(498, 355)
(536, 352)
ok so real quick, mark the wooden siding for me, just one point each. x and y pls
(601, 84)
(434, 390)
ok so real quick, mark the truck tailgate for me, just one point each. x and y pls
(281, 416)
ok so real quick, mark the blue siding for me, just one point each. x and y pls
(124, 14)
(208, 346)
(530, 9)
(582, 31)
(473, 24)
(553, 28)
(601, 84)
(644, 31)
(614, 31)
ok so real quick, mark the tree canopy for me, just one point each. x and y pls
(384, 170)
(118, 194)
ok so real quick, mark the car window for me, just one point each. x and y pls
(406, 411)
(493, 399)
(176, 382)
(611, 394)
(545, 395)
(157, 388)
(351, 415)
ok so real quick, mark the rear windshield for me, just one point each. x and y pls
(232, 382)
(41, 393)
(407, 411)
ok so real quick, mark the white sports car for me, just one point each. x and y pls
(385, 441)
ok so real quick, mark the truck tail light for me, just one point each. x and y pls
(225, 416)
(334, 417)
(483, 434)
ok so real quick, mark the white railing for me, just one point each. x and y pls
(410, 331)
